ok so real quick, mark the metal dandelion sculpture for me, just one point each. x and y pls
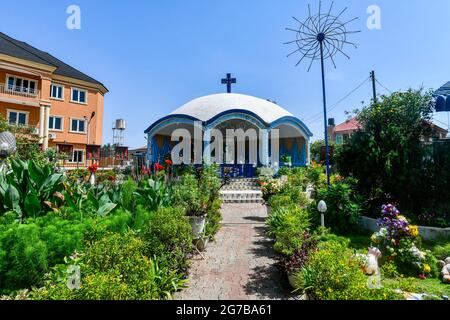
(321, 37)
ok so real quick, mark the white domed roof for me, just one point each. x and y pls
(207, 107)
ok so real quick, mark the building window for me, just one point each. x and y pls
(57, 91)
(55, 123)
(78, 125)
(16, 117)
(79, 96)
(77, 156)
(346, 137)
(22, 85)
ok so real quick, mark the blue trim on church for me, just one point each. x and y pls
(172, 118)
(299, 157)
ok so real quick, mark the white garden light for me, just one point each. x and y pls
(7, 144)
(322, 207)
(7, 147)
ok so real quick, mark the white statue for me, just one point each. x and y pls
(445, 273)
(372, 263)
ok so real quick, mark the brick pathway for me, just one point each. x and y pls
(240, 264)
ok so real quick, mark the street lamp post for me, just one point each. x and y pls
(88, 131)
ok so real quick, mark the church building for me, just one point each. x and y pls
(234, 111)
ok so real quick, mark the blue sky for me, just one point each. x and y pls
(156, 55)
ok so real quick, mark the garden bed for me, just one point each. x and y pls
(63, 238)
(335, 263)
(427, 233)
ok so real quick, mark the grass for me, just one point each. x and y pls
(360, 241)
(430, 286)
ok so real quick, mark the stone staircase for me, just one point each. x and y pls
(241, 190)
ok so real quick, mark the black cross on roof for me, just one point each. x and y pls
(228, 81)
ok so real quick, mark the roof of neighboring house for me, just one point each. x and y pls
(349, 125)
(138, 149)
(437, 128)
(353, 125)
(23, 50)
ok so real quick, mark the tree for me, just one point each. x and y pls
(388, 156)
(27, 141)
(318, 153)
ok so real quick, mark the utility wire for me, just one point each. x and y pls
(383, 86)
(318, 116)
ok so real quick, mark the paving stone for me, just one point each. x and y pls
(240, 264)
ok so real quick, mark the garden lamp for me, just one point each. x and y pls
(322, 207)
(7, 144)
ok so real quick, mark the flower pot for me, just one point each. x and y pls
(92, 178)
(198, 225)
(292, 278)
(201, 243)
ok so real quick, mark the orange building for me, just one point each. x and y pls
(64, 105)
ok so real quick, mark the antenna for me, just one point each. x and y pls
(320, 37)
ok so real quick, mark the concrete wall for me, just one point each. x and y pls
(428, 233)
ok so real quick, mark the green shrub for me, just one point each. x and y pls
(187, 194)
(27, 251)
(23, 257)
(213, 219)
(331, 275)
(391, 162)
(389, 270)
(442, 251)
(288, 226)
(113, 268)
(128, 200)
(169, 235)
(197, 193)
(344, 208)
(279, 200)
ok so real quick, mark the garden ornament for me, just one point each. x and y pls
(445, 273)
(372, 264)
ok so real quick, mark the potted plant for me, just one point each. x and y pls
(198, 223)
(299, 259)
(287, 160)
(202, 240)
(92, 169)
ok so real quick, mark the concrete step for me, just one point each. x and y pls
(238, 188)
(244, 201)
(241, 196)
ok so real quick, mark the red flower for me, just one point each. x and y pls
(145, 170)
(159, 167)
(422, 276)
(93, 168)
(168, 162)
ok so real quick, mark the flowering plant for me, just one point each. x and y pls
(159, 167)
(168, 162)
(93, 168)
(144, 170)
(397, 241)
(301, 256)
(270, 188)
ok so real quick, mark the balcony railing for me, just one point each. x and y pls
(18, 91)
